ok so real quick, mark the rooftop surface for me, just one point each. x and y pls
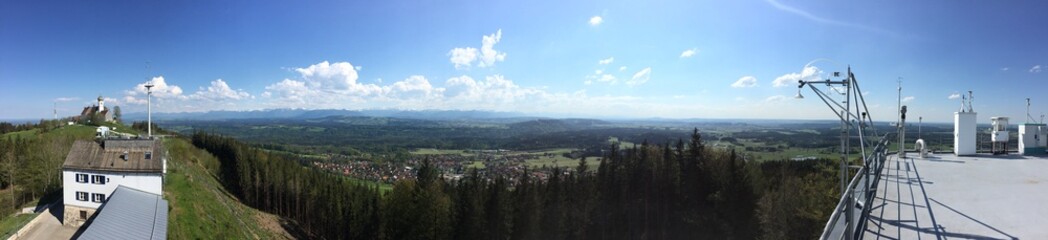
(972, 197)
(129, 214)
(108, 156)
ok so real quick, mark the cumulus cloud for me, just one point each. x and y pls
(463, 57)
(688, 53)
(494, 90)
(622, 68)
(289, 90)
(219, 90)
(596, 20)
(160, 89)
(1035, 69)
(954, 96)
(640, 77)
(606, 61)
(414, 87)
(745, 82)
(487, 56)
(908, 99)
(809, 73)
(339, 76)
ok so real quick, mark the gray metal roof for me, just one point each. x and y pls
(129, 214)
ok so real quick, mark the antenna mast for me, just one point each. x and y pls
(149, 104)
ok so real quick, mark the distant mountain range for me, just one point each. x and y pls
(321, 113)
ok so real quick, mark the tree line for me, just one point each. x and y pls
(31, 163)
(681, 190)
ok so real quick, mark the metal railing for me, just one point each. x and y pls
(865, 183)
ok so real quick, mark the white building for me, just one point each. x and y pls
(94, 169)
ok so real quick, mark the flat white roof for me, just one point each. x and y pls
(972, 197)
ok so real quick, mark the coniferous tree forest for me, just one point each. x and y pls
(682, 190)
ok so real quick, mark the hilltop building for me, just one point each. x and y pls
(93, 170)
(106, 114)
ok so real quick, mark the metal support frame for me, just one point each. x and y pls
(859, 119)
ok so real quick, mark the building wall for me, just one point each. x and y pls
(1031, 140)
(964, 133)
(71, 215)
(148, 182)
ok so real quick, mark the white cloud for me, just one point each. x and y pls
(908, 99)
(289, 90)
(219, 90)
(463, 57)
(1004, 69)
(339, 76)
(487, 56)
(160, 89)
(809, 73)
(745, 82)
(414, 87)
(493, 91)
(622, 68)
(599, 76)
(640, 77)
(134, 100)
(688, 53)
(596, 20)
(606, 61)
(1035, 69)
(954, 96)
(66, 99)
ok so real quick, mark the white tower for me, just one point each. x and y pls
(964, 128)
(101, 103)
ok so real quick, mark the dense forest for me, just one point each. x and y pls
(673, 190)
(31, 157)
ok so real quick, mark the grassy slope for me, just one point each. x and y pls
(201, 208)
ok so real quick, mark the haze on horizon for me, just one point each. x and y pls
(672, 59)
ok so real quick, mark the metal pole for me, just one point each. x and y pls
(850, 223)
(149, 110)
(844, 181)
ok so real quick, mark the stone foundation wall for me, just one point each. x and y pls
(71, 215)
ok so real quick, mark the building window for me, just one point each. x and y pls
(81, 196)
(149, 155)
(98, 197)
(98, 179)
(83, 215)
(81, 178)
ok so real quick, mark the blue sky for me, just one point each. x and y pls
(670, 59)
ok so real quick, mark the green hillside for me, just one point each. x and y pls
(199, 207)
